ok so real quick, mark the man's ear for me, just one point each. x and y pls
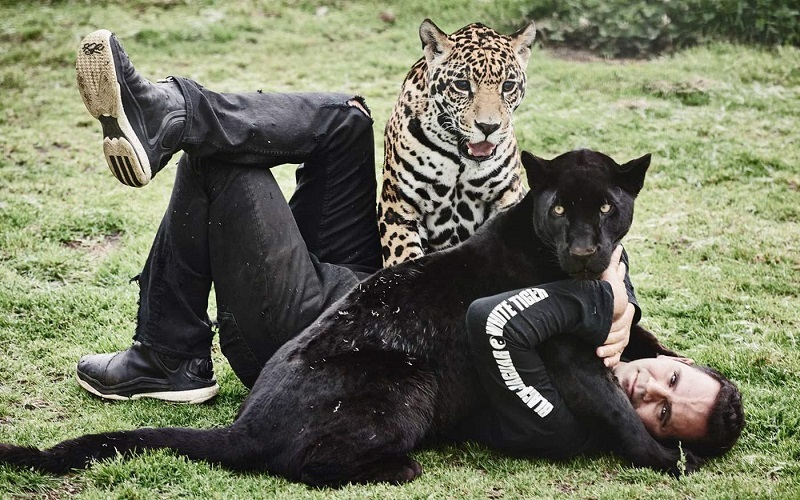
(686, 361)
(435, 43)
(537, 169)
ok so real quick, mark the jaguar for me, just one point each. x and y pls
(451, 159)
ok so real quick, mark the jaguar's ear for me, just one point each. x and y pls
(435, 43)
(537, 170)
(521, 41)
(631, 174)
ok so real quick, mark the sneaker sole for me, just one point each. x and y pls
(100, 90)
(193, 396)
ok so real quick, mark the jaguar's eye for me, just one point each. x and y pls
(605, 208)
(558, 210)
(509, 85)
(462, 85)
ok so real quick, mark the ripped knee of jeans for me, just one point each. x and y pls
(359, 102)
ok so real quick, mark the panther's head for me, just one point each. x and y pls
(476, 79)
(583, 206)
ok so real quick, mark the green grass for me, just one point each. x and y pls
(714, 246)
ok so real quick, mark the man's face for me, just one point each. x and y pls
(672, 398)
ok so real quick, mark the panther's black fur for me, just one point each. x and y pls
(388, 366)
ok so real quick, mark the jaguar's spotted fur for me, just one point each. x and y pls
(451, 158)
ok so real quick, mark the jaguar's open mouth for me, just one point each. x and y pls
(478, 151)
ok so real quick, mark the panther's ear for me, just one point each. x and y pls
(537, 169)
(632, 174)
(521, 41)
(435, 43)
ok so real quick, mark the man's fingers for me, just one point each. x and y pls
(609, 350)
(615, 338)
(616, 258)
(610, 354)
(612, 361)
(616, 255)
(619, 334)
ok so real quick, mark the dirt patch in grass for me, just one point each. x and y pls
(95, 246)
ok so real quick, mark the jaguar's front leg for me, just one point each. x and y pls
(399, 228)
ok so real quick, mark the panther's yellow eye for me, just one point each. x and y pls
(558, 209)
(605, 208)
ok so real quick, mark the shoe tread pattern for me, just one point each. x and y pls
(100, 90)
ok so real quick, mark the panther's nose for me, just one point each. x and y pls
(582, 252)
(487, 128)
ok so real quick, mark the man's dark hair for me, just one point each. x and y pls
(726, 420)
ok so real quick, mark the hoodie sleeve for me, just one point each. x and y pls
(526, 414)
(530, 316)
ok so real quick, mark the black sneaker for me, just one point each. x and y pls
(143, 122)
(141, 372)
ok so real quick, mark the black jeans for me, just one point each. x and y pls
(275, 266)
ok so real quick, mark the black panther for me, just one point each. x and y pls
(387, 368)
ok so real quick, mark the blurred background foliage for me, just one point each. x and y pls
(611, 28)
(621, 28)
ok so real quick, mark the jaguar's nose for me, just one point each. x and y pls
(487, 128)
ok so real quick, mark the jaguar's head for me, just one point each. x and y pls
(583, 206)
(476, 79)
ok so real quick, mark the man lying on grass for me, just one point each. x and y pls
(676, 399)
(277, 266)
(321, 243)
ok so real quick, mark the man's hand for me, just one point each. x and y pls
(622, 319)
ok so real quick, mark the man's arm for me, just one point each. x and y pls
(629, 288)
(530, 316)
(624, 317)
(527, 414)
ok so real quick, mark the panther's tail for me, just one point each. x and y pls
(228, 447)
